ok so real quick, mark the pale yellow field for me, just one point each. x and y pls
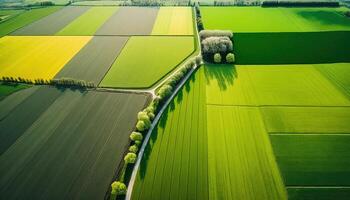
(34, 57)
(173, 21)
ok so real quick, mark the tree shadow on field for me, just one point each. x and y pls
(325, 17)
(224, 75)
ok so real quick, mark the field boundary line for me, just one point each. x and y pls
(149, 133)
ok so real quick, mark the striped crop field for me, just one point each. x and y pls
(267, 85)
(213, 152)
(146, 59)
(173, 21)
(240, 157)
(34, 57)
(25, 18)
(175, 163)
(307, 119)
(89, 22)
(258, 19)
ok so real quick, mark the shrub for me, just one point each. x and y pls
(198, 60)
(212, 45)
(217, 58)
(165, 91)
(150, 111)
(230, 58)
(215, 33)
(118, 188)
(133, 148)
(130, 158)
(142, 116)
(141, 126)
(138, 142)
(136, 136)
(347, 13)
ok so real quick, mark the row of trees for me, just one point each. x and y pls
(144, 122)
(60, 82)
(217, 44)
(199, 21)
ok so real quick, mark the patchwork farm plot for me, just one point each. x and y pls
(69, 136)
(274, 125)
(70, 143)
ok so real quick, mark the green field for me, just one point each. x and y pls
(7, 14)
(25, 18)
(338, 74)
(240, 157)
(207, 161)
(6, 90)
(266, 85)
(292, 48)
(146, 59)
(257, 19)
(307, 119)
(175, 163)
(89, 22)
(313, 160)
(326, 193)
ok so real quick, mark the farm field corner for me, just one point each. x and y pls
(146, 59)
(35, 57)
(213, 106)
(76, 138)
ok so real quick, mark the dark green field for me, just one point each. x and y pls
(292, 47)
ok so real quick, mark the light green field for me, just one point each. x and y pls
(307, 119)
(146, 59)
(175, 163)
(339, 75)
(267, 85)
(208, 152)
(240, 157)
(173, 21)
(257, 19)
(89, 22)
(25, 18)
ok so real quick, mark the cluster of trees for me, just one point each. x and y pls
(199, 21)
(69, 82)
(62, 82)
(347, 13)
(216, 45)
(320, 3)
(144, 122)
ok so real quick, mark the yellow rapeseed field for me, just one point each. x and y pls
(34, 57)
(173, 21)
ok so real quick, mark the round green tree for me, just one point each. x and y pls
(230, 58)
(118, 188)
(136, 136)
(130, 158)
(217, 58)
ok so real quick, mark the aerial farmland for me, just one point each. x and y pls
(155, 100)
